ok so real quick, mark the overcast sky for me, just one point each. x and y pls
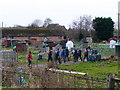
(23, 12)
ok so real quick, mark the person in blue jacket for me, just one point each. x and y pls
(63, 55)
(39, 56)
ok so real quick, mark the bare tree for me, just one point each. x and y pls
(36, 23)
(81, 26)
(18, 26)
(83, 23)
(77, 34)
(47, 21)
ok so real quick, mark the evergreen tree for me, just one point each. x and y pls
(104, 28)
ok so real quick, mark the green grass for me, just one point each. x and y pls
(23, 60)
(94, 69)
(98, 69)
(6, 87)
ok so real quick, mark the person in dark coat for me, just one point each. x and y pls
(75, 55)
(57, 56)
(79, 54)
(50, 55)
(67, 54)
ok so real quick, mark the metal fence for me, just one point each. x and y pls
(105, 51)
(9, 58)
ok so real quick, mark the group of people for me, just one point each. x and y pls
(65, 54)
(62, 55)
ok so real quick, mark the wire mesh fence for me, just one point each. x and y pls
(9, 58)
(105, 51)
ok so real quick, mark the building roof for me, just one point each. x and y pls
(32, 32)
(56, 27)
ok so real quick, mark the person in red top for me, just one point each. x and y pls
(79, 54)
(29, 57)
(86, 54)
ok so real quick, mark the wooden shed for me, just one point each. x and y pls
(21, 47)
(7, 43)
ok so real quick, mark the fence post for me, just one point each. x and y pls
(29, 78)
(87, 81)
(58, 80)
(110, 82)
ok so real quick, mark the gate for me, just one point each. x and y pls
(9, 58)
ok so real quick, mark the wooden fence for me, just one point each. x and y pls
(45, 78)
(113, 82)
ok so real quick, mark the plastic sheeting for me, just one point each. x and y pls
(112, 42)
(69, 44)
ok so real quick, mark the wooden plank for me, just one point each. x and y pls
(116, 79)
(64, 71)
